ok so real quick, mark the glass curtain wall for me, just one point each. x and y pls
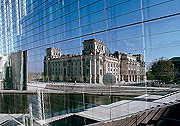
(149, 28)
(78, 41)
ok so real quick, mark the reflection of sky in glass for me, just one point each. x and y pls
(65, 24)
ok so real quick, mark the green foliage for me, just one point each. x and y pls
(53, 77)
(79, 78)
(149, 75)
(161, 70)
(60, 78)
(68, 79)
(46, 78)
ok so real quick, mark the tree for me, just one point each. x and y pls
(47, 78)
(60, 78)
(79, 78)
(53, 77)
(68, 78)
(161, 70)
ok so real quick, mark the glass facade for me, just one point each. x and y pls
(149, 27)
(46, 40)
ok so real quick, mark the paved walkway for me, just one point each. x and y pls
(52, 119)
(82, 87)
(126, 107)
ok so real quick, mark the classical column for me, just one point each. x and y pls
(119, 71)
(90, 74)
(104, 66)
(95, 69)
(137, 77)
(129, 75)
(119, 76)
(98, 69)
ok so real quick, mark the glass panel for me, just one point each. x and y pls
(120, 51)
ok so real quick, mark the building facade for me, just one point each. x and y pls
(95, 61)
(3, 60)
(176, 62)
(14, 71)
(36, 25)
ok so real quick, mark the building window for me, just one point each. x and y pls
(100, 62)
(64, 63)
(101, 72)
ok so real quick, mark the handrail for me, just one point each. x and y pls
(135, 113)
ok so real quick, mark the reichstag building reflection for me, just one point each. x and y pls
(95, 61)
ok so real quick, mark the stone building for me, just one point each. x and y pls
(95, 61)
(176, 62)
(132, 67)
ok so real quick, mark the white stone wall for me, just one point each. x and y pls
(94, 63)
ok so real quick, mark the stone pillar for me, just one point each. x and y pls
(95, 72)
(119, 76)
(137, 78)
(129, 75)
(104, 67)
(98, 69)
(90, 73)
(133, 74)
(119, 71)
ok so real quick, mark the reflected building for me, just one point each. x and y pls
(176, 62)
(132, 67)
(14, 103)
(13, 71)
(95, 61)
(3, 60)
